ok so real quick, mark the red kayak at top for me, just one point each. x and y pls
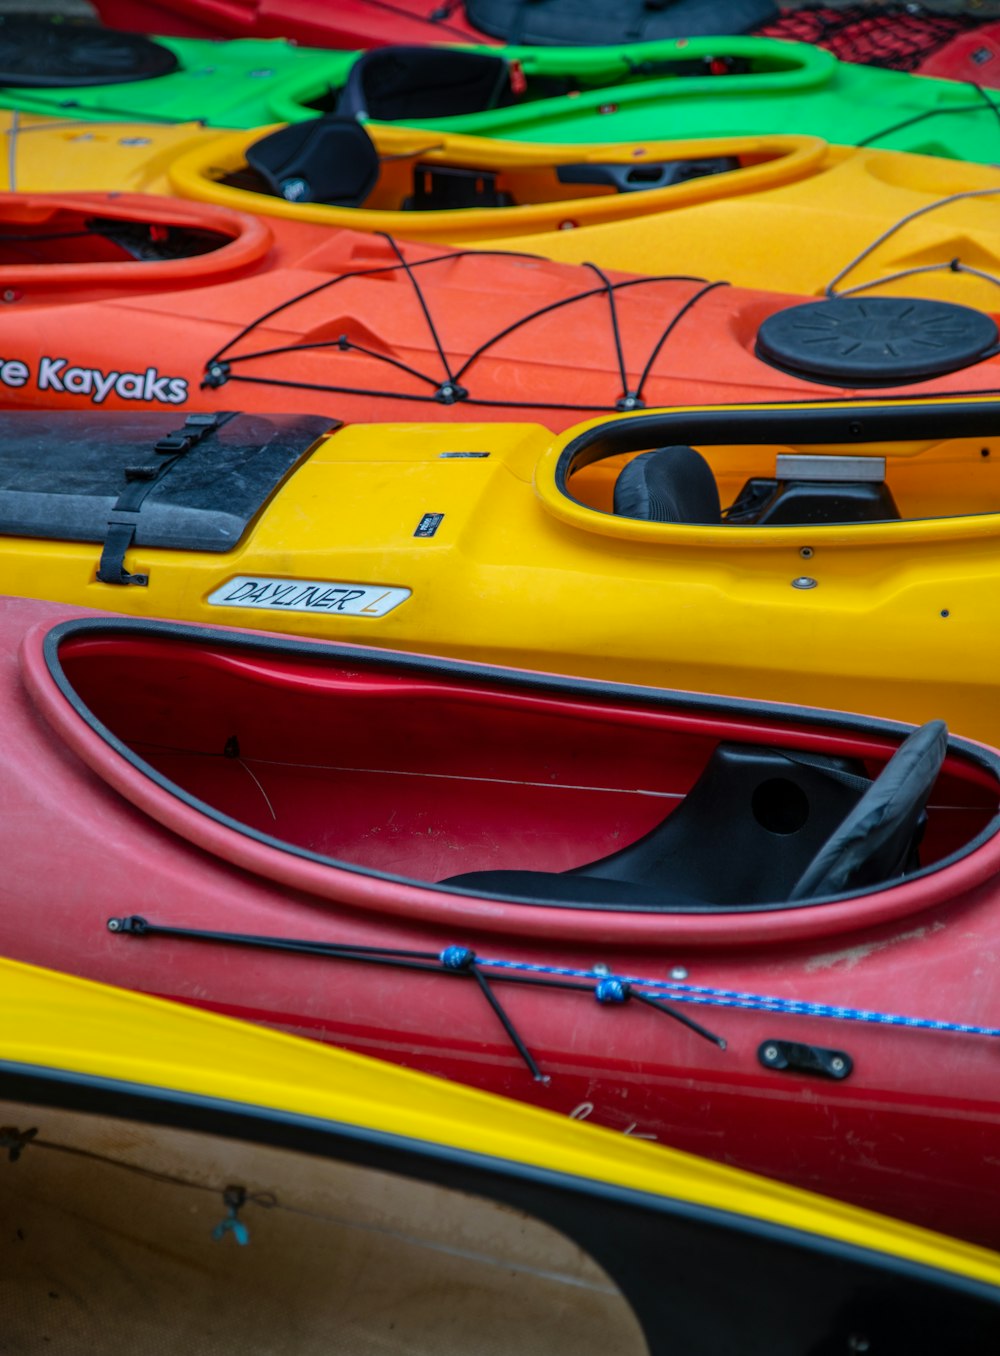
(762, 933)
(380, 23)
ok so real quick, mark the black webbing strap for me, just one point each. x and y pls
(139, 480)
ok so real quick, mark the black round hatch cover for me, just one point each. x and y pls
(54, 53)
(875, 341)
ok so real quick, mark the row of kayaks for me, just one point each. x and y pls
(729, 208)
(904, 37)
(303, 809)
(693, 88)
(757, 932)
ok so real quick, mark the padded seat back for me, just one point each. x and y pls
(670, 485)
(878, 840)
(329, 160)
(394, 84)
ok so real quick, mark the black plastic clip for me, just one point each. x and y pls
(812, 1059)
(216, 374)
(135, 925)
(449, 393)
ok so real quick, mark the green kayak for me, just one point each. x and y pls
(696, 87)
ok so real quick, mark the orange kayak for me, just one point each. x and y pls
(124, 301)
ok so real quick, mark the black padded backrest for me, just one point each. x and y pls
(392, 84)
(596, 23)
(670, 485)
(878, 838)
(329, 160)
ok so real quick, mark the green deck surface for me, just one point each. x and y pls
(628, 93)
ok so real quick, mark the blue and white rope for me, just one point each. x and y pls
(614, 989)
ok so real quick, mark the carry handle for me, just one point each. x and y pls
(648, 174)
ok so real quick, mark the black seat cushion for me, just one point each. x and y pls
(393, 84)
(670, 485)
(878, 839)
(329, 160)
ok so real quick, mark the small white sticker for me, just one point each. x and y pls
(307, 595)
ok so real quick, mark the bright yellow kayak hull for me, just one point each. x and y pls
(468, 546)
(78, 1030)
(790, 220)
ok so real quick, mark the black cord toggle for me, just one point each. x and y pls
(135, 925)
(216, 374)
(449, 393)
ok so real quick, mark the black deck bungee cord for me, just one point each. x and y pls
(935, 113)
(458, 962)
(219, 367)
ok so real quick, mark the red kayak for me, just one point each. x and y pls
(901, 37)
(125, 301)
(766, 934)
(379, 23)
(973, 57)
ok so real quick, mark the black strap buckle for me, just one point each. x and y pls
(139, 480)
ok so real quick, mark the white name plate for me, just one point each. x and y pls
(307, 595)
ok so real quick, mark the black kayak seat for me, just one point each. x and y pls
(745, 833)
(760, 826)
(595, 23)
(327, 160)
(393, 84)
(669, 485)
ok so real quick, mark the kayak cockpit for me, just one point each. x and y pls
(746, 468)
(69, 235)
(408, 84)
(61, 239)
(171, 1236)
(552, 791)
(332, 160)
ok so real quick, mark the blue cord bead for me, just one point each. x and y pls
(611, 991)
(457, 958)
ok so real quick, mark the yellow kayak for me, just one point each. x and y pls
(185, 1181)
(833, 554)
(788, 213)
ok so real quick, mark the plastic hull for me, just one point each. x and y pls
(502, 564)
(663, 89)
(286, 316)
(183, 1171)
(744, 226)
(910, 1129)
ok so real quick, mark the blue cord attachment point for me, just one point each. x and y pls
(234, 1198)
(457, 958)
